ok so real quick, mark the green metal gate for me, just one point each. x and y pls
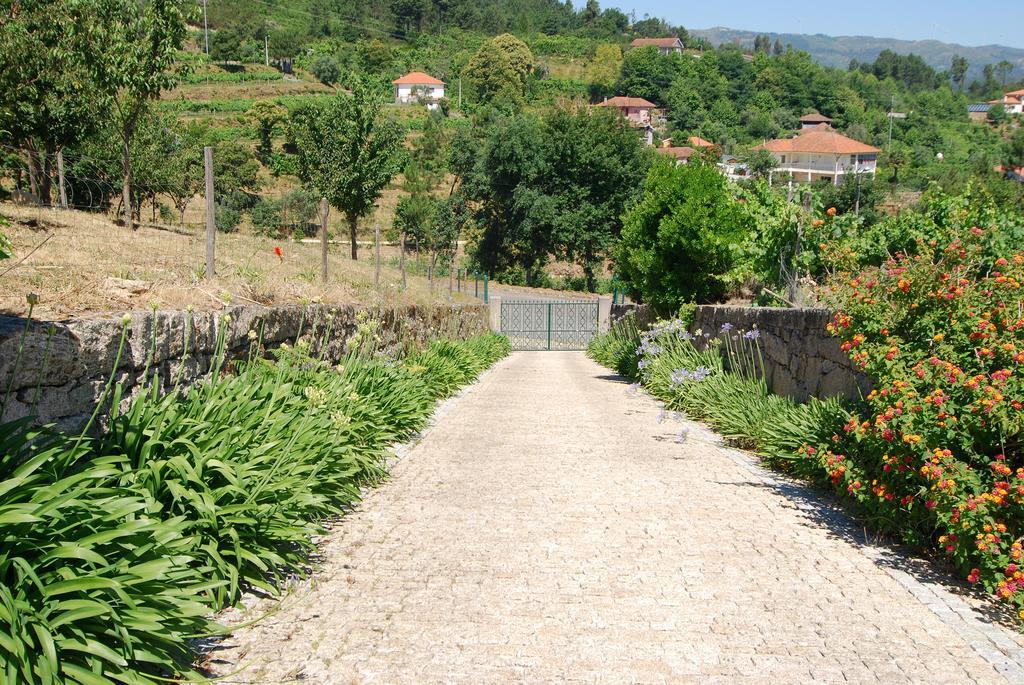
(543, 325)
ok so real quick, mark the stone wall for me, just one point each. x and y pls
(60, 375)
(801, 358)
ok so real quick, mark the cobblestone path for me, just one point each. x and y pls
(549, 529)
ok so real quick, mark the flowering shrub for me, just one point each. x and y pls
(936, 453)
(718, 378)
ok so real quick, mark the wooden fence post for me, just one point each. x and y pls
(401, 261)
(211, 218)
(325, 210)
(60, 179)
(376, 256)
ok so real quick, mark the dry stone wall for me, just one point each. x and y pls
(60, 375)
(801, 358)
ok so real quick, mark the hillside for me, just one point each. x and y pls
(837, 51)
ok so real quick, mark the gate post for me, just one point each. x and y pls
(495, 314)
(604, 314)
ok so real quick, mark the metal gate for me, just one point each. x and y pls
(542, 325)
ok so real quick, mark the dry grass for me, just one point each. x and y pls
(88, 264)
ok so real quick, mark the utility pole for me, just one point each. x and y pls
(60, 179)
(211, 219)
(266, 49)
(206, 31)
(892, 106)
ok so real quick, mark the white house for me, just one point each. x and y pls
(822, 152)
(1012, 102)
(418, 88)
(666, 46)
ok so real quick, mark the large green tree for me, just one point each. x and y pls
(682, 238)
(48, 95)
(550, 186)
(348, 151)
(136, 56)
(499, 70)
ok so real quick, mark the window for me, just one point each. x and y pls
(783, 159)
(853, 160)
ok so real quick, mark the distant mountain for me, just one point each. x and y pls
(837, 51)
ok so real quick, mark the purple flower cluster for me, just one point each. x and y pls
(681, 376)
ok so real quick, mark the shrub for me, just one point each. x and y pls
(680, 239)
(226, 218)
(97, 581)
(326, 70)
(117, 548)
(936, 455)
(266, 218)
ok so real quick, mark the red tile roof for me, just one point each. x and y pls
(815, 118)
(622, 101)
(1016, 93)
(697, 141)
(657, 42)
(677, 152)
(821, 139)
(417, 78)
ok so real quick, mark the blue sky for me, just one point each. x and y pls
(966, 22)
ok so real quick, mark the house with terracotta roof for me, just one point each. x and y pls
(1012, 102)
(637, 111)
(698, 142)
(681, 154)
(418, 88)
(666, 46)
(814, 119)
(820, 153)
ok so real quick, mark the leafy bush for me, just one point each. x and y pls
(97, 581)
(680, 239)
(936, 455)
(326, 70)
(117, 548)
(226, 217)
(718, 379)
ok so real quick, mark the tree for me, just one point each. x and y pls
(680, 239)
(646, 73)
(268, 116)
(326, 70)
(958, 71)
(605, 68)
(593, 166)
(761, 163)
(184, 166)
(551, 186)
(348, 152)
(1004, 68)
(500, 69)
(135, 57)
(408, 15)
(48, 94)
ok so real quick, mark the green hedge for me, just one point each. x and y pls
(117, 548)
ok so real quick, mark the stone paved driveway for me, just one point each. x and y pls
(549, 529)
